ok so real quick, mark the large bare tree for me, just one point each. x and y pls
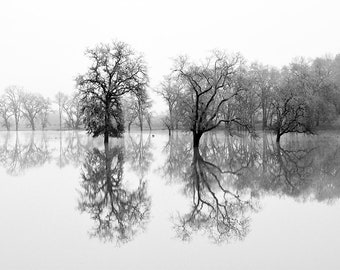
(209, 88)
(115, 70)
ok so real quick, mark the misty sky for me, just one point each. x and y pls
(43, 42)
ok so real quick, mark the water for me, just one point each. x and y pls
(150, 202)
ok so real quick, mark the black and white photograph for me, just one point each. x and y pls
(169, 135)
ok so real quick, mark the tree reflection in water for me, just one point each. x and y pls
(304, 170)
(138, 153)
(118, 212)
(228, 176)
(217, 208)
(73, 147)
(179, 155)
(19, 156)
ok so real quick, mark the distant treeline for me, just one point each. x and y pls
(18, 106)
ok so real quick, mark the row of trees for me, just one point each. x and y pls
(17, 105)
(220, 91)
(224, 90)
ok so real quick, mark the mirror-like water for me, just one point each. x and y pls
(148, 201)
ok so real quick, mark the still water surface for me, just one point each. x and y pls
(153, 202)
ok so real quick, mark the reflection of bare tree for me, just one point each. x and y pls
(117, 211)
(19, 157)
(72, 148)
(4, 149)
(138, 153)
(179, 149)
(299, 170)
(228, 169)
(288, 171)
(217, 208)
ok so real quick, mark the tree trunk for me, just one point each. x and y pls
(129, 127)
(141, 125)
(264, 152)
(278, 136)
(264, 121)
(197, 136)
(318, 119)
(59, 119)
(106, 137)
(107, 123)
(108, 167)
(264, 116)
(7, 124)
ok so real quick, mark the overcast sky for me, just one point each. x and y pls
(43, 42)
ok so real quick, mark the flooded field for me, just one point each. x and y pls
(150, 201)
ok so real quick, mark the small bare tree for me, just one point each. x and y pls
(130, 113)
(32, 106)
(45, 110)
(171, 92)
(292, 104)
(13, 95)
(5, 112)
(72, 110)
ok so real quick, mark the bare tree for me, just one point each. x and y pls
(142, 107)
(5, 112)
(171, 92)
(130, 113)
(115, 71)
(13, 94)
(209, 88)
(32, 105)
(45, 110)
(264, 80)
(148, 118)
(136, 108)
(291, 106)
(72, 110)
